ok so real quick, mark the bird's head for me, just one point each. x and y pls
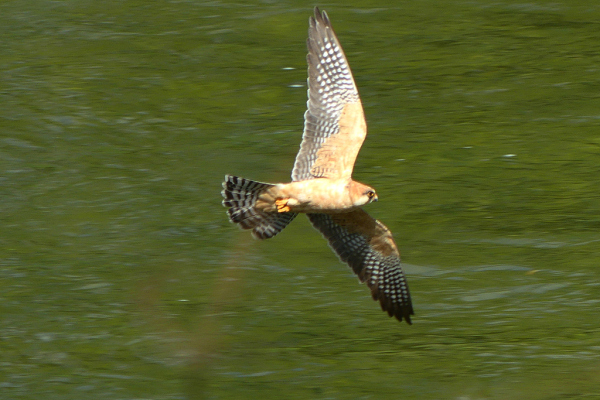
(362, 194)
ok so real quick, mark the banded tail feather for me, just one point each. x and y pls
(241, 195)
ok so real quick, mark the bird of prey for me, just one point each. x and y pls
(322, 186)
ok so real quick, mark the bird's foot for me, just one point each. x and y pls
(281, 205)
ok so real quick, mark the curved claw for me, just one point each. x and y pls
(282, 206)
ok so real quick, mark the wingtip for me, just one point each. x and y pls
(403, 314)
(312, 20)
(320, 16)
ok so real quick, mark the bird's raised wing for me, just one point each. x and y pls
(334, 124)
(369, 249)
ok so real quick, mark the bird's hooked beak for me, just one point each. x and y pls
(374, 199)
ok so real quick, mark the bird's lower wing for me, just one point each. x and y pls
(367, 246)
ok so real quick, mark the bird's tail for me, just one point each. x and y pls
(241, 195)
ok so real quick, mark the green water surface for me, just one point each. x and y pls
(121, 277)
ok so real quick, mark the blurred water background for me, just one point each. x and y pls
(121, 277)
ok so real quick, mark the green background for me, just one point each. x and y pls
(121, 277)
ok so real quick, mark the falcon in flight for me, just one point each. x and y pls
(322, 185)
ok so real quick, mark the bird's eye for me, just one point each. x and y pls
(371, 194)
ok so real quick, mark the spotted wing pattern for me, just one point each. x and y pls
(334, 124)
(369, 249)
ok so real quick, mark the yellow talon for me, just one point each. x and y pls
(281, 205)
